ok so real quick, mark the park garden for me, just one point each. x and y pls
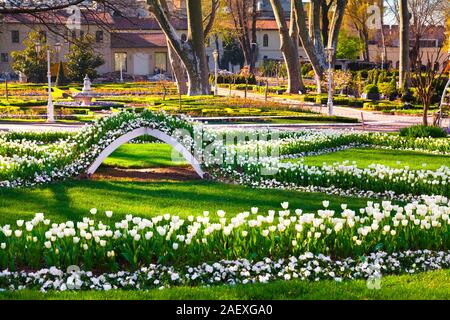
(200, 183)
(327, 206)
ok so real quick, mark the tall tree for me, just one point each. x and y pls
(357, 14)
(192, 51)
(244, 17)
(404, 65)
(82, 59)
(29, 61)
(312, 37)
(422, 17)
(176, 63)
(289, 46)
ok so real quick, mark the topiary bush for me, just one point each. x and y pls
(421, 131)
(371, 88)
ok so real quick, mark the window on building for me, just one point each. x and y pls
(183, 37)
(160, 62)
(4, 57)
(74, 34)
(81, 33)
(266, 40)
(120, 61)
(99, 36)
(15, 36)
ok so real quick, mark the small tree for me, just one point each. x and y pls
(29, 61)
(341, 80)
(82, 59)
(61, 77)
(348, 47)
(426, 79)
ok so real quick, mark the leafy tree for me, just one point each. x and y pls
(231, 53)
(82, 59)
(348, 47)
(61, 78)
(29, 61)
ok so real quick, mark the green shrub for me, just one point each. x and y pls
(421, 131)
(381, 106)
(407, 96)
(387, 88)
(371, 88)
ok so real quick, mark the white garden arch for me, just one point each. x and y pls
(140, 132)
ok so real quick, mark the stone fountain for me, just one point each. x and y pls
(86, 95)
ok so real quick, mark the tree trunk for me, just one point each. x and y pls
(404, 65)
(425, 115)
(175, 61)
(288, 49)
(191, 52)
(316, 58)
(197, 41)
(365, 50)
(178, 70)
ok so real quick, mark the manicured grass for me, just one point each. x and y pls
(73, 199)
(429, 285)
(148, 155)
(392, 158)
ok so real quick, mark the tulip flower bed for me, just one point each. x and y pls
(27, 163)
(169, 240)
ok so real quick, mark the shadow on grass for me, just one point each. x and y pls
(73, 199)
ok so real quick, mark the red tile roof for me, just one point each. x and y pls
(91, 18)
(138, 40)
(60, 17)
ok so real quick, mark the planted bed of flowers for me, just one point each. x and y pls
(170, 240)
(27, 162)
(249, 247)
(306, 266)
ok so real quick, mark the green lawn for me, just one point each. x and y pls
(429, 285)
(392, 158)
(150, 155)
(73, 199)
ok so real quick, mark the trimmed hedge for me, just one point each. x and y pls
(421, 131)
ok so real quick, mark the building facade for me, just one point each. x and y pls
(136, 45)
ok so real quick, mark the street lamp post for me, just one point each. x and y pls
(330, 53)
(216, 67)
(50, 108)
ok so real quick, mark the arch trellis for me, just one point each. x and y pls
(151, 132)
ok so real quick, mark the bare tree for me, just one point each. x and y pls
(192, 51)
(404, 66)
(416, 19)
(244, 16)
(312, 39)
(357, 13)
(426, 78)
(289, 46)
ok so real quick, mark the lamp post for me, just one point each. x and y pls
(50, 108)
(330, 53)
(216, 67)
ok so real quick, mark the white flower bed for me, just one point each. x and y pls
(306, 266)
(170, 239)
